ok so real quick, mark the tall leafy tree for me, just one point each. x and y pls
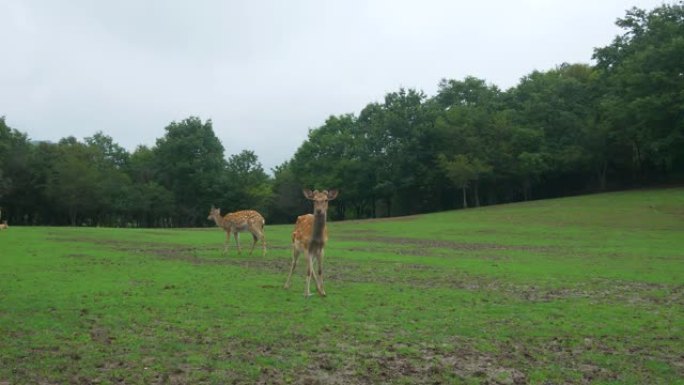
(397, 134)
(467, 128)
(109, 151)
(462, 171)
(189, 163)
(113, 184)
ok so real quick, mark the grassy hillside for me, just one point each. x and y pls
(577, 290)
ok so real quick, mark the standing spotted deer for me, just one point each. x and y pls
(240, 222)
(309, 237)
(4, 225)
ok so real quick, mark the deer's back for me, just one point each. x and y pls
(243, 220)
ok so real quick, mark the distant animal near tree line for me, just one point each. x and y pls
(3, 225)
(309, 236)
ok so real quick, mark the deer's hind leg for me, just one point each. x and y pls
(236, 234)
(319, 280)
(226, 244)
(263, 243)
(255, 238)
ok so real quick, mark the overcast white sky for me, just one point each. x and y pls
(266, 72)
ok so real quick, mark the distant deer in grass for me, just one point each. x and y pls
(240, 222)
(310, 236)
(4, 225)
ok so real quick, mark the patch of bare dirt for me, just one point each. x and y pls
(346, 271)
(101, 335)
(405, 218)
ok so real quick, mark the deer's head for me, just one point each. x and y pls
(214, 213)
(320, 199)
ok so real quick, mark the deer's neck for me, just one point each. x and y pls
(318, 233)
(220, 221)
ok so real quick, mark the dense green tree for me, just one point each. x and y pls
(555, 113)
(331, 158)
(247, 186)
(643, 71)
(109, 153)
(150, 204)
(15, 172)
(142, 165)
(10, 155)
(287, 202)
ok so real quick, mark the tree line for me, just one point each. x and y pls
(576, 128)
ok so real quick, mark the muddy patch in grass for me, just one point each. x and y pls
(457, 360)
(424, 244)
(389, 363)
(413, 275)
(423, 276)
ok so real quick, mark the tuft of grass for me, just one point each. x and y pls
(576, 290)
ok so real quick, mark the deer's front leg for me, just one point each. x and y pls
(320, 265)
(226, 243)
(319, 284)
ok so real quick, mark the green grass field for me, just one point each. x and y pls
(577, 290)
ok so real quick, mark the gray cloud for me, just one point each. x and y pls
(266, 71)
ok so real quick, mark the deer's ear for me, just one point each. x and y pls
(332, 194)
(308, 194)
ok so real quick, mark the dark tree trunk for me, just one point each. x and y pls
(637, 161)
(465, 200)
(602, 170)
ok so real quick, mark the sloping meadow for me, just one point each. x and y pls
(576, 290)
